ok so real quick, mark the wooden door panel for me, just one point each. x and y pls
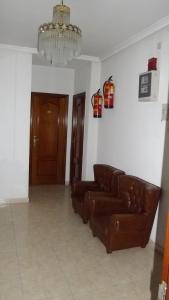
(77, 137)
(62, 137)
(47, 168)
(48, 138)
(166, 254)
(48, 129)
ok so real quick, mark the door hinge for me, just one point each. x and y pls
(162, 290)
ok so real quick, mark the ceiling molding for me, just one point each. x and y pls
(18, 48)
(88, 58)
(35, 51)
(162, 23)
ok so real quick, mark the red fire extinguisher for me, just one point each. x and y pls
(108, 92)
(97, 101)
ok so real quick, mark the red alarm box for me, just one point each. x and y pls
(152, 64)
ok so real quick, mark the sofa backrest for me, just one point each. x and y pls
(106, 177)
(139, 196)
(151, 196)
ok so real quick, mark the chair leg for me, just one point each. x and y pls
(108, 245)
(73, 206)
(108, 250)
(85, 221)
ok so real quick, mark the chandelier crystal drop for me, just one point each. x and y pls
(59, 41)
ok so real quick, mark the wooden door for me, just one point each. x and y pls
(48, 138)
(77, 137)
(165, 270)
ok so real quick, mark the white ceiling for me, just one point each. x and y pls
(104, 23)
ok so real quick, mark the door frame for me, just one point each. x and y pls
(83, 98)
(31, 129)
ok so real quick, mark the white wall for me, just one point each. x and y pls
(57, 81)
(131, 136)
(15, 92)
(87, 79)
(82, 78)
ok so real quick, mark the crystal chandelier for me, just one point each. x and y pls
(59, 41)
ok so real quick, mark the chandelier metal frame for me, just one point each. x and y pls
(59, 41)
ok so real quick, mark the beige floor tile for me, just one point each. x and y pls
(10, 292)
(5, 214)
(47, 253)
(57, 287)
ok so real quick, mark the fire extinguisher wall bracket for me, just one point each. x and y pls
(108, 93)
(97, 101)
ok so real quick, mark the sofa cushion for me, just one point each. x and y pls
(105, 181)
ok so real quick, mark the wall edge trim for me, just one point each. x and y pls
(88, 58)
(18, 48)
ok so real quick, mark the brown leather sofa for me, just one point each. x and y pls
(105, 182)
(126, 220)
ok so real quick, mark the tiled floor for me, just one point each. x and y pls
(46, 253)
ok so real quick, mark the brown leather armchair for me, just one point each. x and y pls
(126, 220)
(105, 182)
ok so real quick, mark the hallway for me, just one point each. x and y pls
(47, 253)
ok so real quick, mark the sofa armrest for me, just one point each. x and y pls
(81, 187)
(128, 222)
(99, 205)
